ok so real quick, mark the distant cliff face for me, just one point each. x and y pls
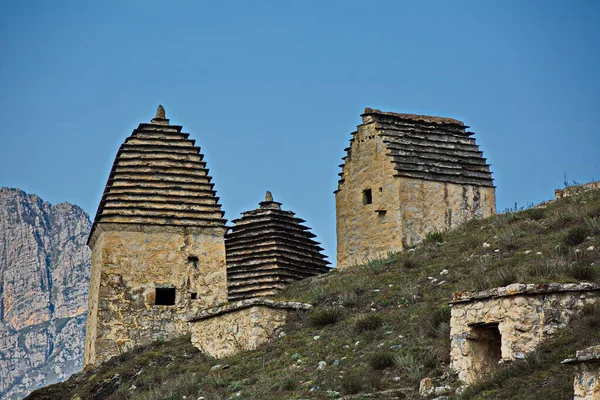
(44, 275)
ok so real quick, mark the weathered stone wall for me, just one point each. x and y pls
(520, 315)
(241, 326)
(363, 232)
(586, 385)
(128, 266)
(429, 206)
(571, 190)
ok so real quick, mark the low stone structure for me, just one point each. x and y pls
(586, 385)
(571, 190)
(404, 176)
(244, 325)
(268, 248)
(503, 324)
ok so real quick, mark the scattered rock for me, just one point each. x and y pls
(316, 337)
(426, 387)
(486, 245)
(444, 272)
(591, 248)
(321, 366)
(314, 388)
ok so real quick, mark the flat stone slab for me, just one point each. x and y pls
(590, 354)
(240, 305)
(523, 289)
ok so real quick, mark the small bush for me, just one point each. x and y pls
(575, 236)
(437, 323)
(381, 360)
(591, 315)
(368, 323)
(434, 237)
(593, 224)
(507, 276)
(349, 299)
(410, 367)
(409, 263)
(583, 272)
(535, 214)
(352, 383)
(327, 316)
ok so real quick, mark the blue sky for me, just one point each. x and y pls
(271, 90)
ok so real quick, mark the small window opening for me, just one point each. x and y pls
(487, 348)
(193, 259)
(165, 297)
(367, 197)
(193, 295)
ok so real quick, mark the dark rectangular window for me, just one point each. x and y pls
(367, 197)
(194, 296)
(165, 297)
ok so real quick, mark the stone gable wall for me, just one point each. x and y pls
(364, 233)
(128, 266)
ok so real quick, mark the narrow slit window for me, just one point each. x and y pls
(367, 197)
(165, 297)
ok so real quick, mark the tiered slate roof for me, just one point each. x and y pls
(430, 148)
(159, 178)
(268, 248)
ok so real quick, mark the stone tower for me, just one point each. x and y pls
(404, 176)
(158, 249)
(268, 248)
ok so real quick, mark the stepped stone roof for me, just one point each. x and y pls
(159, 178)
(429, 148)
(268, 248)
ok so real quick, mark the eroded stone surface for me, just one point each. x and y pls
(245, 325)
(44, 272)
(504, 324)
(404, 176)
(586, 384)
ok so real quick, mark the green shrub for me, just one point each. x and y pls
(409, 262)
(368, 323)
(575, 236)
(352, 383)
(382, 360)
(437, 322)
(323, 317)
(507, 276)
(583, 272)
(535, 214)
(434, 237)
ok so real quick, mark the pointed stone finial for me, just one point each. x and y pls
(160, 118)
(268, 196)
(268, 202)
(160, 112)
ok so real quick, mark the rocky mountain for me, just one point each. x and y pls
(44, 274)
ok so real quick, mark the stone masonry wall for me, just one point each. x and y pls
(586, 385)
(362, 232)
(428, 206)
(523, 315)
(235, 327)
(128, 266)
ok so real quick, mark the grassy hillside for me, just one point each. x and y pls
(383, 326)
